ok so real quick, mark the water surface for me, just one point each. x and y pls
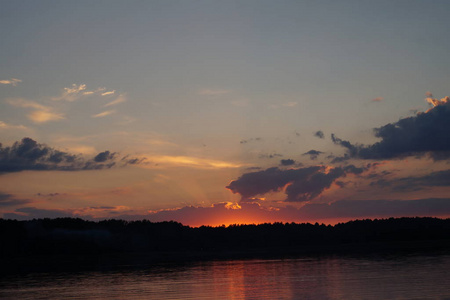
(415, 277)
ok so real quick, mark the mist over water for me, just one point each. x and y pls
(410, 277)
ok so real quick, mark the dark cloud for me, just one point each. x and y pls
(313, 154)
(340, 184)
(353, 209)
(26, 213)
(319, 134)
(287, 162)
(50, 194)
(132, 160)
(10, 200)
(425, 133)
(273, 179)
(104, 156)
(434, 179)
(301, 184)
(250, 140)
(271, 155)
(351, 149)
(30, 155)
(252, 168)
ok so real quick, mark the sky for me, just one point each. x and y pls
(223, 112)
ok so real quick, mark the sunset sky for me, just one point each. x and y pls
(221, 112)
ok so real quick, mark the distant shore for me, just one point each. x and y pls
(68, 244)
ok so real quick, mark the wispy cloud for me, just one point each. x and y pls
(20, 102)
(290, 104)
(4, 125)
(104, 114)
(109, 93)
(190, 161)
(11, 81)
(99, 90)
(71, 93)
(75, 92)
(43, 116)
(120, 99)
(41, 113)
(213, 92)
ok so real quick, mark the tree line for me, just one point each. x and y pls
(77, 236)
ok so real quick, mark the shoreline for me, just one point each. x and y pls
(38, 263)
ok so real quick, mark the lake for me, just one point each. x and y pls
(396, 277)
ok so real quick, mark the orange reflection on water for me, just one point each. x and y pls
(244, 280)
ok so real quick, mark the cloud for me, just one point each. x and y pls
(190, 161)
(4, 125)
(104, 156)
(287, 162)
(120, 99)
(72, 93)
(319, 134)
(97, 91)
(258, 139)
(10, 200)
(313, 154)
(299, 185)
(104, 114)
(26, 213)
(76, 92)
(11, 81)
(213, 92)
(44, 116)
(253, 212)
(30, 155)
(41, 113)
(377, 99)
(49, 195)
(270, 155)
(436, 102)
(425, 133)
(133, 160)
(19, 102)
(415, 183)
(353, 209)
(90, 213)
(108, 93)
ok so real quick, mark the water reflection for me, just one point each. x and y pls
(419, 277)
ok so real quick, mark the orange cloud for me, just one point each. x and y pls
(104, 114)
(41, 113)
(12, 81)
(189, 161)
(43, 116)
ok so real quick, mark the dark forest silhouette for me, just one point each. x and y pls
(76, 236)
